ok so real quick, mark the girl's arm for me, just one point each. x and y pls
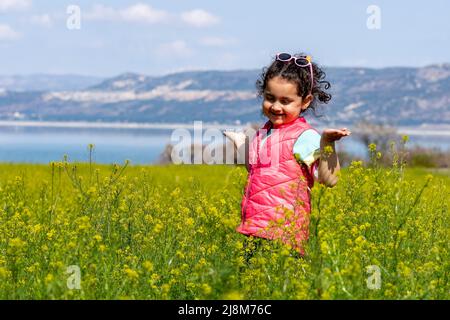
(329, 162)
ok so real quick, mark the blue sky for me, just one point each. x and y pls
(160, 37)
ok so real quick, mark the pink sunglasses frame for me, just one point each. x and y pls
(307, 58)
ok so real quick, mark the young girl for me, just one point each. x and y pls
(287, 155)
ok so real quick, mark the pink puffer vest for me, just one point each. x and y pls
(276, 203)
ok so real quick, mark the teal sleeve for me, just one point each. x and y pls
(307, 147)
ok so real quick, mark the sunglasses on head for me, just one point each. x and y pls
(301, 61)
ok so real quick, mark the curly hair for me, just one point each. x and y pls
(301, 77)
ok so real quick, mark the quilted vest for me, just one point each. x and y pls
(276, 202)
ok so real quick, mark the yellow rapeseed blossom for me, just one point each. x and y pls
(233, 295)
(148, 266)
(131, 274)
(49, 278)
(17, 243)
(158, 227)
(206, 289)
(4, 273)
(131, 233)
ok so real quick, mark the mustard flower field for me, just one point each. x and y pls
(90, 231)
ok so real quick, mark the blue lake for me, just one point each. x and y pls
(140, 146)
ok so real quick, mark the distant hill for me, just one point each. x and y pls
(399, 96)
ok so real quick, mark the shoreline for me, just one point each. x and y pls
(423, 130)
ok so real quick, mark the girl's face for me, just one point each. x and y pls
(281, 103)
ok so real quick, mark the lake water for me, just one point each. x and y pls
(113, 145)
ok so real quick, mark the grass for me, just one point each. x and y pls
(168, 232)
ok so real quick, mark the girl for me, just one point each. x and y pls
(287, 155)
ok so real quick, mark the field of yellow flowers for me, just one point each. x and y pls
(89, 231)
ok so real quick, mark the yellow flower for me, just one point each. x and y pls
(71, 245)
(326, 295)
(233, 295)
(175, 272)
(190, 286)
(91, 191)
(155, 277)
(402, 234)
(83, 223)
(4, 273)
(49, 278)
(405, 138)
(213, 248)
(189, 222)
(360, 240)
(131, 274)
(433, 284)
(165, 288)
(202, 262)
(206, 289)
(158, 227)
(16, 245)
(175, 193)
(180, 254)
(328, 150)
(37, 228)
(324, 247)
(148, 266)
(404, 270)
(50, 234)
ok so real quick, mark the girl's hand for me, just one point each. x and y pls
(331, 135)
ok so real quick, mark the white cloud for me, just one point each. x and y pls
(143, 13)
(136, 13)
(199, 18)
(43, 20)
(7, 33)
(216, 41)
(8, 5)
(177, 48)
